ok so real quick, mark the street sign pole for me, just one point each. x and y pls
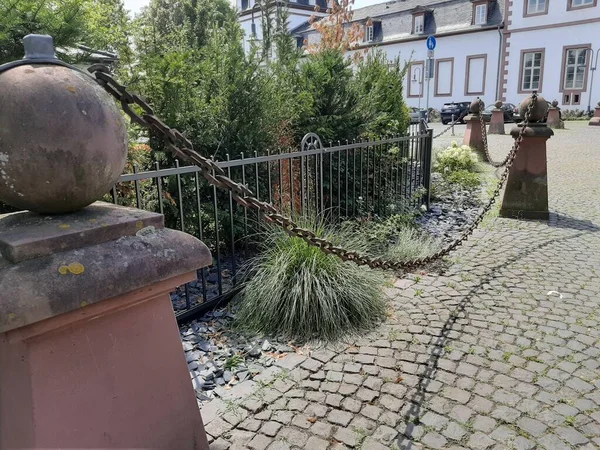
(431, 43)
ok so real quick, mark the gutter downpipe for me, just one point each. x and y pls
(498, 96)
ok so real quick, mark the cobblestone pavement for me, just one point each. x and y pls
(483, 356)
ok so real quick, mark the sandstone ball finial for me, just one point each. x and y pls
(498, 104)
(63, 140)
(539, 111)
(476, 107)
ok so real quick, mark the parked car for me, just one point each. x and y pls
(417, 114)
(517, 115)
(508, 109)
(457, 109)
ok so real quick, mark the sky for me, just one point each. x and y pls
(135, 5)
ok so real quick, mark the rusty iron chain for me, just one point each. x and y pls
(182, 148)
(485, 141)
(445, 130)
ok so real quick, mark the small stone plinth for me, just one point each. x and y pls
(554, 118)
(473, 135)
(526, 193)
(497, 122)
(595, 121)
(88, 336)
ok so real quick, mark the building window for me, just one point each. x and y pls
(369, 33)
(575, 68)
(537, 6)
(581, 3)
(481, 14)
(245, 4)
(531, 76)
(476, 72)
(418, 24)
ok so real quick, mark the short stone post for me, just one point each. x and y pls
(595, 121)
(497, 120)
(554, 120)
(90, 353)
(526, 194)
(473, 133)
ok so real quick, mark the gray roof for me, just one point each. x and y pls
(444, 17)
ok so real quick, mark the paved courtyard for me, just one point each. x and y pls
(502, 351)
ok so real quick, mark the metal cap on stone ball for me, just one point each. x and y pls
(63, 140)
(539, 110)
(476, 106)
(554, 103)
(498, 104)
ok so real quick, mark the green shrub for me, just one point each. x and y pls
(298, 292)
(468, 180)
(456, 158)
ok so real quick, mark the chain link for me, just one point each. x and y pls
(182, 148)
(485, 141)
(445, 130)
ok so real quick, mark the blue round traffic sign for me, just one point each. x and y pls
(431, 42)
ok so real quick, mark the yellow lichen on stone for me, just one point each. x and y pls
(74, 268)
(72, 89)
(11, 316)
(139, 225)
(83, 304)
(64, 226)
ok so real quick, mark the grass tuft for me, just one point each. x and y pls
(298, 292)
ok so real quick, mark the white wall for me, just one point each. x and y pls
(552, 39)
(458, 47)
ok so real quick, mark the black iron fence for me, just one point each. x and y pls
(342, 181)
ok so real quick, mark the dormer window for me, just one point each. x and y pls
(245, 4)
(369, 33)
(419, 24)
(481, 13)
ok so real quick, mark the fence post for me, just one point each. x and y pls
(453, 119)
(428, 164)
(526, 194)
(90, 351)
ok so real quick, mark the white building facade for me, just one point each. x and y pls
(552, 46)
(492, 49)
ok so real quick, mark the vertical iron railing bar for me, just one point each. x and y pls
(200, 231)
(179, 197)
(291, 172)
(231, 226)
(159, 188)
(245, 208)
(280, 164)
(217, 240)
(269, 178)
(136, 183)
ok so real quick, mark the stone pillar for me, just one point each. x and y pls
(90, 353)
(497, 120)
(88, 335)
(473, 133)
(526, 193)
(554, 120)
(595, 121)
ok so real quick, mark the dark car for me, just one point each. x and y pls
(507, 108)
(517, 115)
(454, 110)
(417, 114)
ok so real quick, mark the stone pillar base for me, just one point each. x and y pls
(595, 121)
(554, 119)
(473, 135)
(526, 193)
(497, 122)
(89, 347)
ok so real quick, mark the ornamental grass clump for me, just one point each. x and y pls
(298, 292)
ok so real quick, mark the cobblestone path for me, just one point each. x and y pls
(483, 356)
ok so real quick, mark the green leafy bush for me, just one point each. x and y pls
(456, 158)
(468, 180)
(298, 292)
